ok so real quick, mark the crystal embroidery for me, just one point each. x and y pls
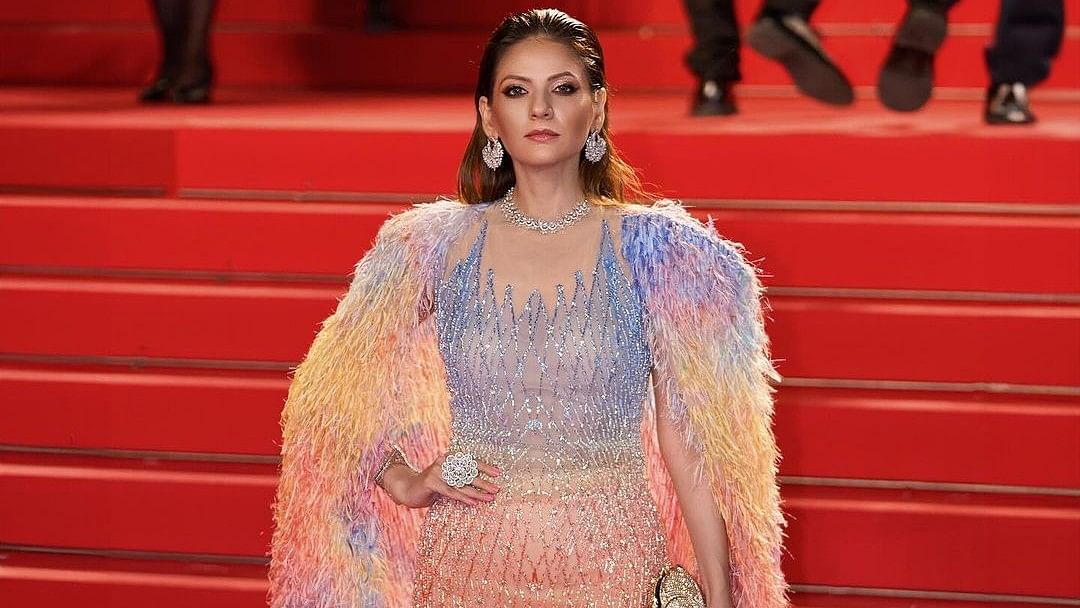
(553, 397)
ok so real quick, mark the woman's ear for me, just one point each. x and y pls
(600, 102)
(486, 118)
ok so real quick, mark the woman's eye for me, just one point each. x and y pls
(565, 88)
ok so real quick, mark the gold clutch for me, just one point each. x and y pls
(675, 588)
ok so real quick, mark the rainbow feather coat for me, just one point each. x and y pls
(374, 376)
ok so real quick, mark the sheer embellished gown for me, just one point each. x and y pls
(547, 361)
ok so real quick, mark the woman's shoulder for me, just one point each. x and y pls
(666, 244)
(429, 218)
(439, 209)
(666, 213)
(667, 225)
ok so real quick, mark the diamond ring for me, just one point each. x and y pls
(459, 469)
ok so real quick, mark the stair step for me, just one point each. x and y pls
(357, 143)
(939, 249)
(862, 536)
(232, 416)
(69, 579)
(861, 338)
(484, 15)
(636, 60)
(203, 412)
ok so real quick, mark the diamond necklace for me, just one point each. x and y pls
(515, 216)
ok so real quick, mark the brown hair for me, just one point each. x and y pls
(609, 180)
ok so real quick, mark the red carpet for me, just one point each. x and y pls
(351, 142)
(162, 267)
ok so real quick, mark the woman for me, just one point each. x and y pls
(505, 342)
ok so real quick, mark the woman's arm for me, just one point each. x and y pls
(397, 481)
(703, 520)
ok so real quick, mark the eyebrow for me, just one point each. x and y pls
(552, 77)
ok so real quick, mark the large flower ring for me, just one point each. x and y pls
(459, 469)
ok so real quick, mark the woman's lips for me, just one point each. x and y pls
(542, 136)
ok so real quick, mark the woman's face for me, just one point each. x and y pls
(541, 84)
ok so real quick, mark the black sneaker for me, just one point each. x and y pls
(906, 79)
(714, 98)
(789, 39)
(1007, 104)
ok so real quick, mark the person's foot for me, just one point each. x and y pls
(906, 79)
(157, 91)
(380, 17)
(789, 39)
(714, 98)
(1007, 104)
(193, 86)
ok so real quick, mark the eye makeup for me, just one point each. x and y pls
(565, 88)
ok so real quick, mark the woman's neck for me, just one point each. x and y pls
(547, 197)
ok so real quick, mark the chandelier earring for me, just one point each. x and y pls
(493, 153)
(595, 147)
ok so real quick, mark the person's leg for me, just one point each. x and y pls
(782, 32)
(170, 16)
(196, 71)
(714, 58)
(906, 79)
(715, 54)
(802, 8)
(1029, 35)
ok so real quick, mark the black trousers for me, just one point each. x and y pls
(1028, 37)
(715, 54)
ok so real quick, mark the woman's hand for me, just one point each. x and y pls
(417, 489)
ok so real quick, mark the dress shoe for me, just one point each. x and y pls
(714, 98)
(157, 91)
(1007, 104)
(380, 17)
(906, 79)
(789, 39)
(194, 91)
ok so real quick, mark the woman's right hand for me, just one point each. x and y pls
(419, 489)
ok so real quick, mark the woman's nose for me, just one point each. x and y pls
(541, 107)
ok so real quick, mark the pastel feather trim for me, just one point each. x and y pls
(373, 375)
(704, 314)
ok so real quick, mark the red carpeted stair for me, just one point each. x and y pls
(308, 42)
(161, 269)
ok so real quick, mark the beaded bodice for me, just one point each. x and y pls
(553, 388)
(551, 393)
